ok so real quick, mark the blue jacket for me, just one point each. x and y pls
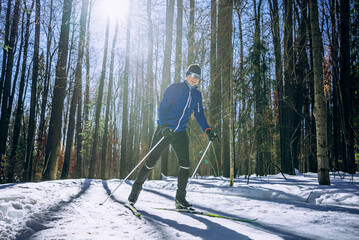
(177, 105)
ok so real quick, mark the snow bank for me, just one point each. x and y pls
(21, 203)
(300, 188)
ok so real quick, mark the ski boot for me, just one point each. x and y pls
(135, 192)
(182, 204)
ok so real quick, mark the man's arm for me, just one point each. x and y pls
(200, 117)
(165, 105)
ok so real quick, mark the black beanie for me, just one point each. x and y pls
(193, 68)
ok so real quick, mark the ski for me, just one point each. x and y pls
(133, 210)
(193, 211)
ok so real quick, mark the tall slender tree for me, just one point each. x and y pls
(148, 109)
(35, 75)
(191, 55)
(319, 104)
(5, 101)
(104, 164)
(86, 111)
(275, 27)
(166, 71)
(346, 87)
(215, 88)
(178, 61)
(20, 101)
(76, 92)
(286, 130)
(124, 165)
(259, 93)
(54, 136)
(5, 48)
(94, 162)
(225, 9)
(41, 136)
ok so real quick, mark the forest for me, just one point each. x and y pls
(81, 82)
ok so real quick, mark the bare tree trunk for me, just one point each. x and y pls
(259, 93)
(70, 88)
(76, 93)
(178, 72)
(166, 72)
(190, 57)
(5, 48)
(286, 131)
(20, 102)
(302, 70)
(334, 45)
(346, 87)
(5, 115)
(54, 136)
(148, 100)
(87, 92)
(94, 162)
(319, 104)
(35, 74)
(225, 9)
(273, 4)
(124, 158)
(215, 89)
(41, 140)
(108, 105)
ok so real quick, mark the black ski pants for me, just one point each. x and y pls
(180, 144)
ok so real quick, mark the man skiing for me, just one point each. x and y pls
(178, 102)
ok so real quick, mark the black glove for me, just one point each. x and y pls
(166, 131)
(212, 135)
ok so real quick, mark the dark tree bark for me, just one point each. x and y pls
(191, 55)
(104, 164)
(346, 87)
(76, 93)
(86, 112)
(124, 165)
(225, 9)
(148, 105)
(302, 69)
(334, 45)
(35, 74)
(20, 101)
(6, 47)
(166, 71)
(178, 61)
(273, 4)
(215, 89)
(259, 93)
(41, 136)
(94, 162)
(5, 115)
(54, 136)
(287, 129)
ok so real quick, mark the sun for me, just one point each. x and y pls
(114, 9)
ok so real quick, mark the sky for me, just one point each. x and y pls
(297, 208)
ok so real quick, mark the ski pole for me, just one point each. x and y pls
(205, 151)
(143, 159)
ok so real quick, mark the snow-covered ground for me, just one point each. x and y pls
(297, 208)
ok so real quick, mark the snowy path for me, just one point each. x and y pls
(70, 210)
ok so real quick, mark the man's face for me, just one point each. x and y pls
(192, 81)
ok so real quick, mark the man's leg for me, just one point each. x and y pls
(148, 166)
(180, 145)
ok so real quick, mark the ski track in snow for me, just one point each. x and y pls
(70, 209)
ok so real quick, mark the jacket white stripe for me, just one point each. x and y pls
(184, 110)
